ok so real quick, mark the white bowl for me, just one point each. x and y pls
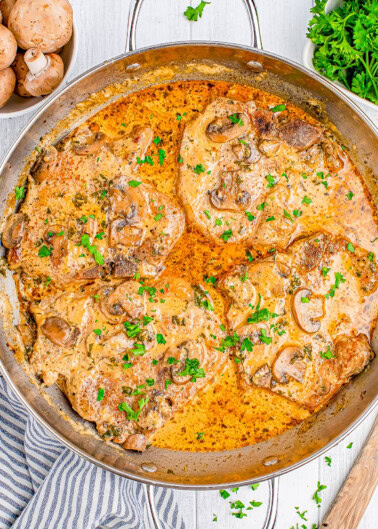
(16, 106)
(308, 54)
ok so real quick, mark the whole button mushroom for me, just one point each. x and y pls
(7, 84)
(21, 70)
(46, 24)
(6, 7)
(8, 47)
(45, 72)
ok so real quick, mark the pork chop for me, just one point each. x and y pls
(302, 319)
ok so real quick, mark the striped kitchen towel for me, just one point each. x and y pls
(44, 485)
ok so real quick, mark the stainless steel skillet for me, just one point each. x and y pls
(132, 72)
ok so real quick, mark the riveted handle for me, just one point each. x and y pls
(135, 7)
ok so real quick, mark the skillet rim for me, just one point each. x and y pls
(150, 481)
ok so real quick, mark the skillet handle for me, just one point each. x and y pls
(135, 7)
(270, 517)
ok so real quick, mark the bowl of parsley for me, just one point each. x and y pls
(342, 46)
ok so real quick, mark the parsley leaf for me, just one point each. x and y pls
(192, 13)
(19, 192)
(278, 108)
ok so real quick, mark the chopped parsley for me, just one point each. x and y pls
(271, 181)
(269, 219)
(139, 349)
(350, 445)
(97, 331)
(306, 200)
(162, 156)
(132, 415)
(305, 300)
(19, 192)
(92, 248)
(325, 271)
(328, 355)
(156, 140)
(371, 257)
(250, 217)
(328, 460)
(261, 314)
(192, 13)
(261, 206)
(147, 159)
(264, 337)
(338, 279)
(44, 251)
(180, 159)
(350, 247)
(287, 215)
(134, 183)
(226, 235)
(224, 494)
(349, 195)
(200, 435)
(246, 345)
(278, 108)
(160, 339)
(150, 381)
(297, 213)
(101, 394)
(237, 121)
(192, 368)
(199, 168)
(316, 496)
(207, 214)
(167, 383)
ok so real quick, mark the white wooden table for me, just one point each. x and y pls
(102, 33)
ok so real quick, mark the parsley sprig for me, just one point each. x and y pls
(193, 13)
(346, 49)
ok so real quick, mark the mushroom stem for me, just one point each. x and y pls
(35, 60)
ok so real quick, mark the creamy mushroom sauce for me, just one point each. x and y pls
(237, 327)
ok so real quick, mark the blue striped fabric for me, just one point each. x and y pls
(43, 485)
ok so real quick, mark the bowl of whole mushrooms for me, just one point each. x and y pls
(38, 45)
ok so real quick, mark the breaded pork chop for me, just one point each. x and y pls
(302, 318)
(129, 356)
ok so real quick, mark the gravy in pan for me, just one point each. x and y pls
(196, 267)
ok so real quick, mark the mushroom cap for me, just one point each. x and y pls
(13, 230)
(6, 7)
(227, 128)
(7, 84)
(20, 69)
(8, 47)
(46, 81)
(46, 24)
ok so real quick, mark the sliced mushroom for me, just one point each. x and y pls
(59, 332)
(246, 151)
(299, 134)
(136, 442)
(90, 273)
(45, 164)
(14, 230)
(227, 128)
(309, 252)
(265, 123)
(230, 195)
(124, 268)
(123, 299)
(56, 236)
(130, 148)
(262, 377)
(121, 233)
(89, 143)
(307, 314)
(126, 201)
(187, 350)
(112, 309)
(289, 363)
